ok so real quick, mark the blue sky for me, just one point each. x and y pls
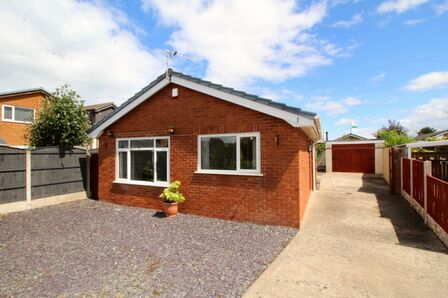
(360, 62)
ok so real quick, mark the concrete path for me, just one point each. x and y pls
(357, 241)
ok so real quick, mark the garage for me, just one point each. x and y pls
(354, 156)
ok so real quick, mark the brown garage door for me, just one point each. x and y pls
(358, 158)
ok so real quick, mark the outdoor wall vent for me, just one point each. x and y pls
(175, 92)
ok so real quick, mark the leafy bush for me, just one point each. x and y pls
(392, 138)
(320, 149)
(171, 194)
(62, 121)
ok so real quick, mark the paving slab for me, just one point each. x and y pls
(357, 240)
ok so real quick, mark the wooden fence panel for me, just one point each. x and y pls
(418, 180)
(12, 174)
(407, 175)
(57, 171)
(439, 162)
(438, 201)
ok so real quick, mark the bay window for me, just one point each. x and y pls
(229, 153)
(143, 161)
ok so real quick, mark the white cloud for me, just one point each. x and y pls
(433, 114)
(279, 95)
(428, 81)
(246, 40)
(413, 22)
(441, 8)
(399, 6)
(365, 132)
(333, 107)
(352, 101)
(378, 78)
(355, 20)
(346, 121)
(48, 43)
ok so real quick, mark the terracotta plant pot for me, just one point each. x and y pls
(170, 209)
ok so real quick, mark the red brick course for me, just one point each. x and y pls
(278, 197)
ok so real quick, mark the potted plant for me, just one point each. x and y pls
(171, 198)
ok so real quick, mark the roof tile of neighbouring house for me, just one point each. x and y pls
(209, 84)
(429, 135)
(24, 91)
(99, 106)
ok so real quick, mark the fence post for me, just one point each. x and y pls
(427, 171)
(28, 178)
(411, 187)
(89, 191)
(401, 177)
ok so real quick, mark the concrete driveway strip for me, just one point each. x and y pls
(358, 241)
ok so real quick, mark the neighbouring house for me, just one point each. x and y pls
(238, 156)
(322, 161)
(351, 137)
(437, 135)
(98, 112)
(354, 154)
(18, 110)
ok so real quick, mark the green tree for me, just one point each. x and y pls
(392, 138)
(392, 125)
(426, 130)
(61, 122)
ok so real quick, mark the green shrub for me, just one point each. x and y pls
(171, 194)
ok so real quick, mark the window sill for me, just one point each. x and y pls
(20, 122)
(142, 183)
(229, 173)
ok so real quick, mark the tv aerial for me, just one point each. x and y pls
(172, 54)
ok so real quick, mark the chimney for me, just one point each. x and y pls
(326, 136)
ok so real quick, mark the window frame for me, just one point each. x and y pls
(128, 150)
(238, 171)
(13, 108)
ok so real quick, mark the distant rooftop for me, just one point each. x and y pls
(431, 134)
(99, 106)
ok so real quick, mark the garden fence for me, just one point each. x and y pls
(427, 194)
(29, 174)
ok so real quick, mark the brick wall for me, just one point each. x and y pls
(14, 133)
(278, 197)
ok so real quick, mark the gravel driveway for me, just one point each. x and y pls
(90, 248)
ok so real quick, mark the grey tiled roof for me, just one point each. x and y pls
(24, 91)
(209, 84)
(429, 135)
(98, 106)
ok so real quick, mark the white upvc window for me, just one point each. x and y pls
(17, 114)
(143, 161)
(231, 154)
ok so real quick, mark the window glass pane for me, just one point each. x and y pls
(142, 165)
(142, 143)
(122, 165)
(7, 113)
(162, 165)
(248, 153)
(218, 153)
(23, 114)
(123, 144)
(162, 143)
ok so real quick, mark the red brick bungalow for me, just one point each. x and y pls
(238, 156)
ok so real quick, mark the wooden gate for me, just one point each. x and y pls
(357, 158)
